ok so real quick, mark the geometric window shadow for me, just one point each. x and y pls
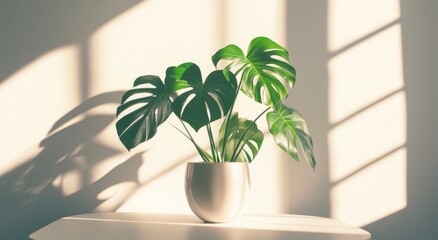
(29, 198)
(33, 28)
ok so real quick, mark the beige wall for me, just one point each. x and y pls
(64, 66)
(366, 86)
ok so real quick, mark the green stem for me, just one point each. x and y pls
(243, 145)
(199, 149)
(243, 135)
(214, 153)
(185, 135)
(227, 119)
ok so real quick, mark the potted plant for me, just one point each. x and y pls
(214, 191)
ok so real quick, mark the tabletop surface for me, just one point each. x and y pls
(133, 226)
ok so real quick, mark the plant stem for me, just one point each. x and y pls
(243, 135)
(227, 119)
(185, 135)
(214, 153)
(243, 145)
(199, 149)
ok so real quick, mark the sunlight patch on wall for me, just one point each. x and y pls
(33, 98)
(69, 182)
(367, 111)
(367, 136)
(374, 193)
(365, 73)
(150, 37)
(349, 20)
(247, 19)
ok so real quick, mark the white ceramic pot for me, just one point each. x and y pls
(216, 191)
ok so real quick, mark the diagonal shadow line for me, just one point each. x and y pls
(363, 39)
(368, 165)
(84, 71)
(88, 104)
(44, 18)
(336, 124)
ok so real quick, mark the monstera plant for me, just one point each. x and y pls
(263, 74)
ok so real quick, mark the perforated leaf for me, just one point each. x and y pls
(265, 70)
(198, 102)
(288, 127)
(144, 108)
(242, 135)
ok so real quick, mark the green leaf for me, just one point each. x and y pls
(200, 103)
(242, 135)
(287, 127)
(265, 69)
(146, 107)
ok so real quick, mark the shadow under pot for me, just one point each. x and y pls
(216, 191)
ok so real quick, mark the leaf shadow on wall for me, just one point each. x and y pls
(30, 195)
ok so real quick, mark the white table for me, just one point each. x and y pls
(133, 226)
